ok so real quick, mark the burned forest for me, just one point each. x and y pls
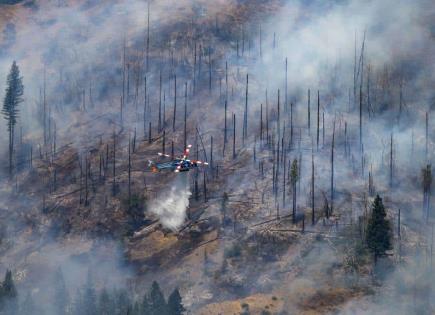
(217, 157)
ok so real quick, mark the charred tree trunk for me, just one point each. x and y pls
(225, 127)
(175, 103)
(164, 142)
(332, 168)
(145, 107)
(185, 117)
(129, 173)
(312, 191)
(148, 38)
(160, 102)
(427, 137)
(261, 123)
(286, 86)
(205, 188)
(114, 165)
(318, 117)
(209, 69)
(309, 112)
(234, 136)
(245, 118)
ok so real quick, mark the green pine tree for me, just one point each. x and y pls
(175, 305)
(9, 295)
(13, 97)
(378, 235)
(157, 300)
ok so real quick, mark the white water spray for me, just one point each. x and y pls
(171, 205)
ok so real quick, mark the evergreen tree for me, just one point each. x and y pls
(9, 294)
(61, 298)
(378, 236)
(157, 300)
(13, 97)
(175, 306)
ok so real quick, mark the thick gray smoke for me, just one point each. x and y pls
(171, 205)
(81, 50)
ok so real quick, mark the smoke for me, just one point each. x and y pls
(171, 205)
(318, 41)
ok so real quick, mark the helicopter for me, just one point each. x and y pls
(177, 165)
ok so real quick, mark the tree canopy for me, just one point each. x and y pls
(378, 236)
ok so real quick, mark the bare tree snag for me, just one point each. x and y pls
(148, 37)
(234, 136)
(245, 118)
(160, 102)
(185, 117)
(261, 123)
(114, 165)
(129, 173)
(175, 103)
(312, 190)
(309, 112)
(332, 168)
(318, 117)
(225, 128)
(391, 161)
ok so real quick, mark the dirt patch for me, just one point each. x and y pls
(326, 300)
(256, 304)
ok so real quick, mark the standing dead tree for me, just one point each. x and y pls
(318, 118)
(129, 173)
(175, 103)
(234, 136)
(160, 102)
(332, 167)
(309, 112)
(312, 190)
(225, 128)
(294, 177)
(114, 165)
(245, 116)
(391, 161)
(427, 136)
(148, 38)
(427, 183)
(185, 117)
